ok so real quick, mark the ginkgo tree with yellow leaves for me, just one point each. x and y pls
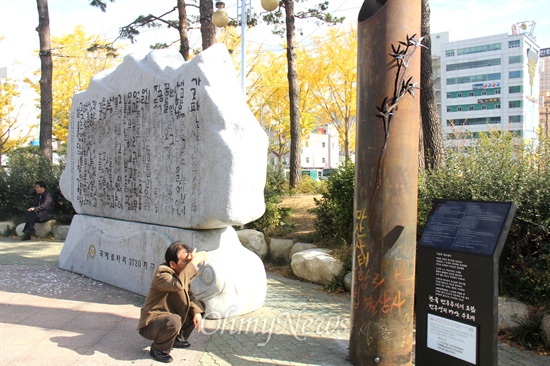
(8, 120)
(76, 61)
(327, 88)
(332, 76)
(268, 99)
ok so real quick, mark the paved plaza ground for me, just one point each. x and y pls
(49, 316)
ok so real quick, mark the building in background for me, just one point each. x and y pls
(320, 150)
(544, 105)
(487, 83)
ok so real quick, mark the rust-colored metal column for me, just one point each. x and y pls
(388, 117)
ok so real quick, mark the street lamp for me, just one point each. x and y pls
(270, 5)
(220, 19)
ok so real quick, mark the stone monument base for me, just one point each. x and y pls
(125, 254)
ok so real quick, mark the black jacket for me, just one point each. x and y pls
(44, 206)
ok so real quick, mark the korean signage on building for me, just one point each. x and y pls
(544, 52)
(485, 86)
(488, 100)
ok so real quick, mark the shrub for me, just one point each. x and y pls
(529, 332)
(497, 168)
(309, 185)
(273, 217)
(26, 166)
(334, 222)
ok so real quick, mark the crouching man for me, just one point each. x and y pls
(170, 311)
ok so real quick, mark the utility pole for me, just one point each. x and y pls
(388, 120)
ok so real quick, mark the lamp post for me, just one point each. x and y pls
(220, 19)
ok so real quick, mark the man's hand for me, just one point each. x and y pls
(30, 209)
(197, 320)
(197, 257)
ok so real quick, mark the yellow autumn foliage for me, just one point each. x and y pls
(74, 64)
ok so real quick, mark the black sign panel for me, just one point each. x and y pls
(466, 226)
(457, 283)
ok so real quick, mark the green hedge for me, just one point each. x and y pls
(273, 217)
(498, 168)
(25, 166)
(334, 211)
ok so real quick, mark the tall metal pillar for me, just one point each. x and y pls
(388, 119)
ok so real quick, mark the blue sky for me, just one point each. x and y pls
(462, 18)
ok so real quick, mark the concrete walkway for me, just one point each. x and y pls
(50, 316)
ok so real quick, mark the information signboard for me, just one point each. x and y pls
(457, 283)
(465, 226)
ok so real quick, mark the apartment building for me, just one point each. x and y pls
(487, 83)
(320, 149)
(544, 102)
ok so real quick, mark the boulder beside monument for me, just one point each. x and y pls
(161, 150)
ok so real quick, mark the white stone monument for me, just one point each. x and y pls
(163, 150)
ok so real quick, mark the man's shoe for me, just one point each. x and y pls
(159, 355)
(26, 237)
(181, 344)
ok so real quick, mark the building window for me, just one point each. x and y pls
(484, 92)
(515, 104)
(323, 160)
(515, 59)
(449, 95)
(497, 106)
(471, 108)
(473, 64)
(478, 49)
(449, 53)
(514, 44)
(448, 109)
(515, 89)
(307, 143)
(483, 107)
(459, 95)
(307, 160)
(459, 109)
(497, 91)
(470, 94)
(322, 144)
(515, 74)
(515, 119)
(473, 121)
(473, 78)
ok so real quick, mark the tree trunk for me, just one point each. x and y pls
(182, 28)
(294, 96)
(431, 124)
(208, 30)
(346, 145)
(45, 79)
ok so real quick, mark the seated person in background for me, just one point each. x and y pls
(170, 311)
(42, 210)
